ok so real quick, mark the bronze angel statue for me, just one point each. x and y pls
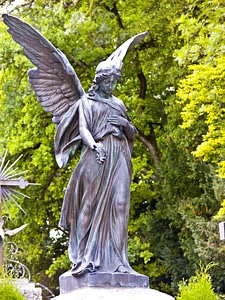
(96, 204)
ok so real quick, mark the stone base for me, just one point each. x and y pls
(29, 290)
(114, 294)
(69, 283)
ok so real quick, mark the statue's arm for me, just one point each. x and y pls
(129, 129)
(85, 134)
(87, 138)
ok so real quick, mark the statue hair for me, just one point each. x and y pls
(99, 77)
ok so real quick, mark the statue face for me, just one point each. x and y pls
(108, 84)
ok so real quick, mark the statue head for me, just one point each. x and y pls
(104, 70)
(103, 73)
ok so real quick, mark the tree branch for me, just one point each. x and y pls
(143, 85)
(143, 139)
(149, 141)
(114, 10)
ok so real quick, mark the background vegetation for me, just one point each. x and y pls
(173, 87)
(9, 288)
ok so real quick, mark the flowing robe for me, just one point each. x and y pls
(96, 204)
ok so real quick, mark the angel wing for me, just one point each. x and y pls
(54, 80)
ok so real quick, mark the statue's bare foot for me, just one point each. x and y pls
(122, 269)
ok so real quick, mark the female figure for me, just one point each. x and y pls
(96, 203)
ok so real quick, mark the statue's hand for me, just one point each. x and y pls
(118, 121)
(101, 153)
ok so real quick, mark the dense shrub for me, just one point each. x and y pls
(9, 291)
(198, 287)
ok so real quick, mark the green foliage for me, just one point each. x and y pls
(200, 129)
(198, 287)
(87, 33)
(201, 94)
(9, 289)
(61, 263)
(175, 192)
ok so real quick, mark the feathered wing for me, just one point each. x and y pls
(54, 80)
(116, 58)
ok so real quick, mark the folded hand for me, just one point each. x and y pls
(101, 153)
(117, 120)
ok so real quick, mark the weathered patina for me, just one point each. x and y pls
(96, 204)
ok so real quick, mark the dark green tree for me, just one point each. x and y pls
(171, 188)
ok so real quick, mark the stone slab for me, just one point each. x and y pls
(95, 293)
(29, 290)
(68, 282)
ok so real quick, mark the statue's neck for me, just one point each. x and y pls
(101, 94)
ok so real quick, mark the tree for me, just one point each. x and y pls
(201, 93)
(200, 100)
(169, 184)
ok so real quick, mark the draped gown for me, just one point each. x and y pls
(96, 204)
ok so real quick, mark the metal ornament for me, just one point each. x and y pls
(10, 181)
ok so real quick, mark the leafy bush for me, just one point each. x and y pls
(198, 287)
(8, 290)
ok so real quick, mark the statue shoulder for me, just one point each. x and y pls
(119, 102)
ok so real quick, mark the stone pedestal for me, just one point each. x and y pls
(107, 286)
(29, 290)
(69, 283)
(95, 293)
